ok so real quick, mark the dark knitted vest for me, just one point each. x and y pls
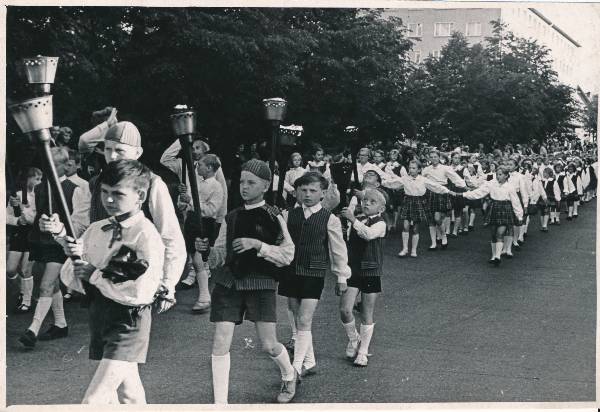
(259, 223)
(366, 256)
(41, 204)
(561, 183)
(549, 188)
(97, 211)
(310, 237)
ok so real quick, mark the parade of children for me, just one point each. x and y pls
(142, 247)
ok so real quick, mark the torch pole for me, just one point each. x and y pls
(273, 196)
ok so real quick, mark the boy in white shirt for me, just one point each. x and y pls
(121, 290)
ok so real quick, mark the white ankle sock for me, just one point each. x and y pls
(303, 344)
(405, 236)
(285, 366)
(351, 332)
(310, 360)
(27, 290)
(415, 243)
(220, 378)
(366, 333)
(58, 310)
(41, 310)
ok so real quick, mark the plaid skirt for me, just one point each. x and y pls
(439, 202)
(500, 213)
(414, 208)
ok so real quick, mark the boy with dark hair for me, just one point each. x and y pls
(120, 270)
(253, 243)
(317, 234)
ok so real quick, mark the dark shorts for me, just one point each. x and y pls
(18, 238)
(117, 332)
(46, 253)
(301, 287)
(366, 284)
(230, 305)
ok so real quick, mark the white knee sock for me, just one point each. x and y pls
(508, 244)
(303, 344)
(41, 310)
(27, 290)
(203, 292)
(190, 274)
(285, 366)
(292, 320)
(58, 310)
(499, 247)
(493, 249)
(309, 359)
(472, 219)
(351, 332)
(366, 333)
(220, 378)
(415, 243)
(405, 241)
(445, 227)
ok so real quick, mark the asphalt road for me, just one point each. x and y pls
(449, 328)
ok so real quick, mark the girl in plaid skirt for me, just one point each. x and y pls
(504, 210)
(415, 207)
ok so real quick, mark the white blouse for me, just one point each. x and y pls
(415, 186)
(498, 192)
(441, 173)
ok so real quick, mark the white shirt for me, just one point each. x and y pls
(518, 182)
(28, 211)
(280, 255)
(291, 176)
(415, 186)
(555, 187)
(374, 231)
(139, 235)
(79, 181)
(441, 173)
(338, 253)
(578, 186)
(362, 169)
(211, 197)
(499, 192)
(164, 218)
(170, 160)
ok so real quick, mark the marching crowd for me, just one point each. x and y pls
(137, 243)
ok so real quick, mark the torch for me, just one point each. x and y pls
(287, 140)
(275, 109)
(183, 122)
(352, 132)
(34, 116)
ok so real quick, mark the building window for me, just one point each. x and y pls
(443, 29)
(473, 28)
(436, 54)
(415, 29)
(417, 56)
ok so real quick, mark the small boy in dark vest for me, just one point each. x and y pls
(45, 250)
(365, 250)
(253, 243)
(317, 235)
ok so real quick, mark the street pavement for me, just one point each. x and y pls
(449, 328)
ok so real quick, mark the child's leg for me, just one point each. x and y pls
(190, 276)
(107, 379)
(433, 235)
(415, 239)
(267, 335)
(133, 389)
(457, 221)
(13, 264)
(516, 235)
(203, 302)
(304, 342)
(575, 207)
(348, 321)
(293, 305)
(220, 361)
(446, 223)
(47, 287)
(26, 281)
(471, 218)
(366, 327)
(494, 241)
(405, 235)
(500, 232)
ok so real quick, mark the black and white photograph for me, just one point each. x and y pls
(361, 205)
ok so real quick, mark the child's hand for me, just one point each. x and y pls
(340, 288)
(14, 201)
(181, 188)
(184, 198)
(82, 269)
(242, 244)
(72, 247)
(201, 245)
(348, 214)
(51, 224)
(22, 220)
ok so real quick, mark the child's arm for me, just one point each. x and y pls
(280, 254)
(455, 178)
(394, 182)
(170, 160)
(556, 189)
(150, 248)
(481, 192)
(338, 254)
(435, 187)
(516, 204)
(379, 229)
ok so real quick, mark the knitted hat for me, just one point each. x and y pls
(258, 168)
(126, 133)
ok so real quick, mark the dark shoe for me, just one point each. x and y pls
(308, 372)
(557, 223)
(508, 255)
(516, 246)
(492, 261)
(201, 307)
(471, 228)
(544, 229)
(521, 242)
(288, 389)
(28, 339)
(452, 235)
(185, 286)
(291, 345)
(464, 233)
(22, 308)
(497, 262)
(569, 218)
(575, 216)
(54, 332)
(444, 246)
(432, 248)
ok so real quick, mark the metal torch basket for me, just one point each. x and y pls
(33, 114)
(184, 123)
(275, 108)
(40, 69)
